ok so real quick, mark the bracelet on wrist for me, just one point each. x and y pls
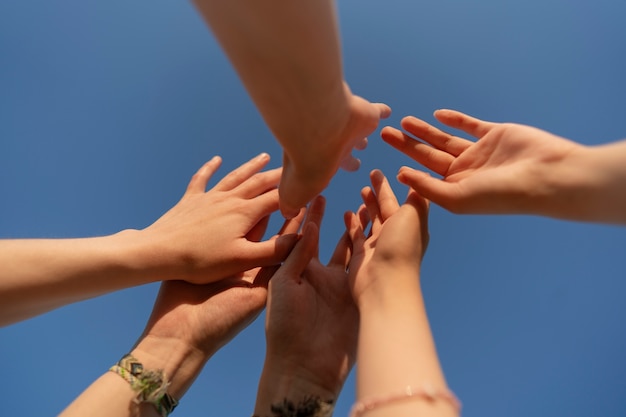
(150, 385)
(426, 392)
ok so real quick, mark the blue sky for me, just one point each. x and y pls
(108, 107)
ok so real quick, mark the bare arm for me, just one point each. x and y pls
(396, 351)
(188, 325)
(311, 329)
(202, 239)
(288, 56)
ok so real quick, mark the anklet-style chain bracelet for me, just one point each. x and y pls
(426, 392)
(150, 385)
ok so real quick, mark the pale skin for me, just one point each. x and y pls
(512, 169)
(203, 238)
(311, 325)
(288, 56)
(188, 325)
(395, 347)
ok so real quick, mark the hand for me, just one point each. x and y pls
(203, 318)
(206, 236)
(397, 239)
(312, 323)
(309, 165)
(511, 168)
(396, 348)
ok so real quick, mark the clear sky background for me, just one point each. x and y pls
(108, 107)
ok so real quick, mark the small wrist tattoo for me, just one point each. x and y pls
(307, 407)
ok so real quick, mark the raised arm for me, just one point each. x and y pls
(398, 372)
(512, 169)
(203, 238)
(288, 56)
(188, 325)
(311, 329)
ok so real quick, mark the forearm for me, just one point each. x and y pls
(396, 350)
(288, 56)
(39, 275)
(589, 185)
(112, 395)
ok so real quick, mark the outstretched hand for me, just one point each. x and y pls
(206, 236)
(397, 238)
(309, 167)
(203, 318)
(510, 169)
(311, 322)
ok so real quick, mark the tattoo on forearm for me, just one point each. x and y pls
(307, 407)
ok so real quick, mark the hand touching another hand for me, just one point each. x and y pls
(398, 372)
(188, 324)
(206, 236)
(311, 326)
(397, 239)
(309, 164)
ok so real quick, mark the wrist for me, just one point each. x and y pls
(580, 186)
(390, 282)
(281, 384)
(180, 362)
(148, 256)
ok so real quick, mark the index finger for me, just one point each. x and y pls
(242, 173)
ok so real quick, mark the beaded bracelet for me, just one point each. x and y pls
(427, 392)
(151, 386)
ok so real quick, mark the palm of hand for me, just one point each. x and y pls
(400, 240)
(505, 145)
(506, 166)
(312, 324)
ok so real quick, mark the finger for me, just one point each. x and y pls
(303, 252)
(201, 178)
(341, 254)
(447, 195)
(261, 206)
(387, 201)
(350, 163)
(426, 155)
(360, 144)
(363, 216)
(470, 125)
(384, 111)
(373, 211)
(291, 226)
(355, 231)
(242, 173)
(269, 252)
(441, 140)
(422, 205)
(256, 233)
(315, 214)
(259, 183)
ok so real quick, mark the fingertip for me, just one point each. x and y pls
(388, 130)
(350, 164)
(289, 213)
(385, 110)
(377, 174)
(361, 144)
(263, 156)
